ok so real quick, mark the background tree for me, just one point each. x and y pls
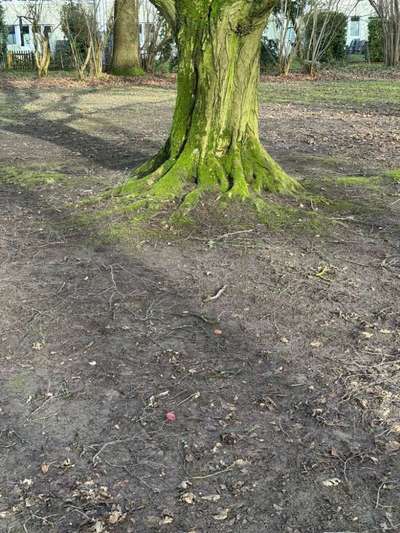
(3, 36)
(214, 141)
(40, 33)
(325, 37)
(74, 26)
(289, 18)
(87, 41)
(375, 39)
(324, 32)
(389, 13)
(125, 57)
(157, 39)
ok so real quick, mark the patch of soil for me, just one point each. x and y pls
(285, 388)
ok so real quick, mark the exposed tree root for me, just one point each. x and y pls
(244, 173)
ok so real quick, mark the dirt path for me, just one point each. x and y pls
(285, 388)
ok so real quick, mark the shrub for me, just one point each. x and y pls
(375, 39)
(74, 26)
(329, 28)
(269, 54)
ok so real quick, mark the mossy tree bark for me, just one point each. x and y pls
(125, 57)
(214, 141)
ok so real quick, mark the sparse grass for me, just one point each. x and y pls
(360, 181)
(29, 178)
(109, 112)
(394, 175)
(309, 212)
(31, 75)
(336, 93)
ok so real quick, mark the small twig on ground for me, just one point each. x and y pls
(42, 405)
(217, 295)
(112, 276)
(231, 234)
(194, 395)
(214, 473)
(381, 486)
(110, 443)
(73, 508)
(221, 237)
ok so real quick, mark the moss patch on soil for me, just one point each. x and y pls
(394, 175)
(29, 178)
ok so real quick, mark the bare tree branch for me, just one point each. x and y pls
(389, 13)
(168, 9)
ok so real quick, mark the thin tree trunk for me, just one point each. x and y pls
(42, 55)
(126, 58)
(389, 13)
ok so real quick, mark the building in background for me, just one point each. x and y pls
(20, 31)
(359, 14)
(20, 37)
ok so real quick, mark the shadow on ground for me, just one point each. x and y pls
(109, 154)
(96, 346)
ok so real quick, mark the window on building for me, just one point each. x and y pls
(355, 27)
(11, 37)
(47, 30)
(25, 37)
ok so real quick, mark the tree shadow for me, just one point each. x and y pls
(102, 345)
(105, 153)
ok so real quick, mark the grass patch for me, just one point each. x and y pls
(120, 221)
(394, 175)
(29, 178)
(360, 181)
(335, 93)
(312, 210)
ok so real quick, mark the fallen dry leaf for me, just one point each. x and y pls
(44, 467)
(188, 497)
(316, 344)
(168, 519)
(98, 527)
(222, 515)
(211, 498)
(333, 482)
(114, 517)
(37, 346)
(367, 334)
(392, 446)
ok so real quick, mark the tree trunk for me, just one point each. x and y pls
(125, 58)
(391, 28)
(42, 55)
(389, 13)
(214, 142)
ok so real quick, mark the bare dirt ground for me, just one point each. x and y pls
(286, 388)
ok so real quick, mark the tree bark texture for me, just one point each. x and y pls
(214, 141)
(125, 57)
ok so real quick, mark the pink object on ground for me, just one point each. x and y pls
(170, 416)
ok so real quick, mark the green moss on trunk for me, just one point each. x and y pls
(214, 141)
